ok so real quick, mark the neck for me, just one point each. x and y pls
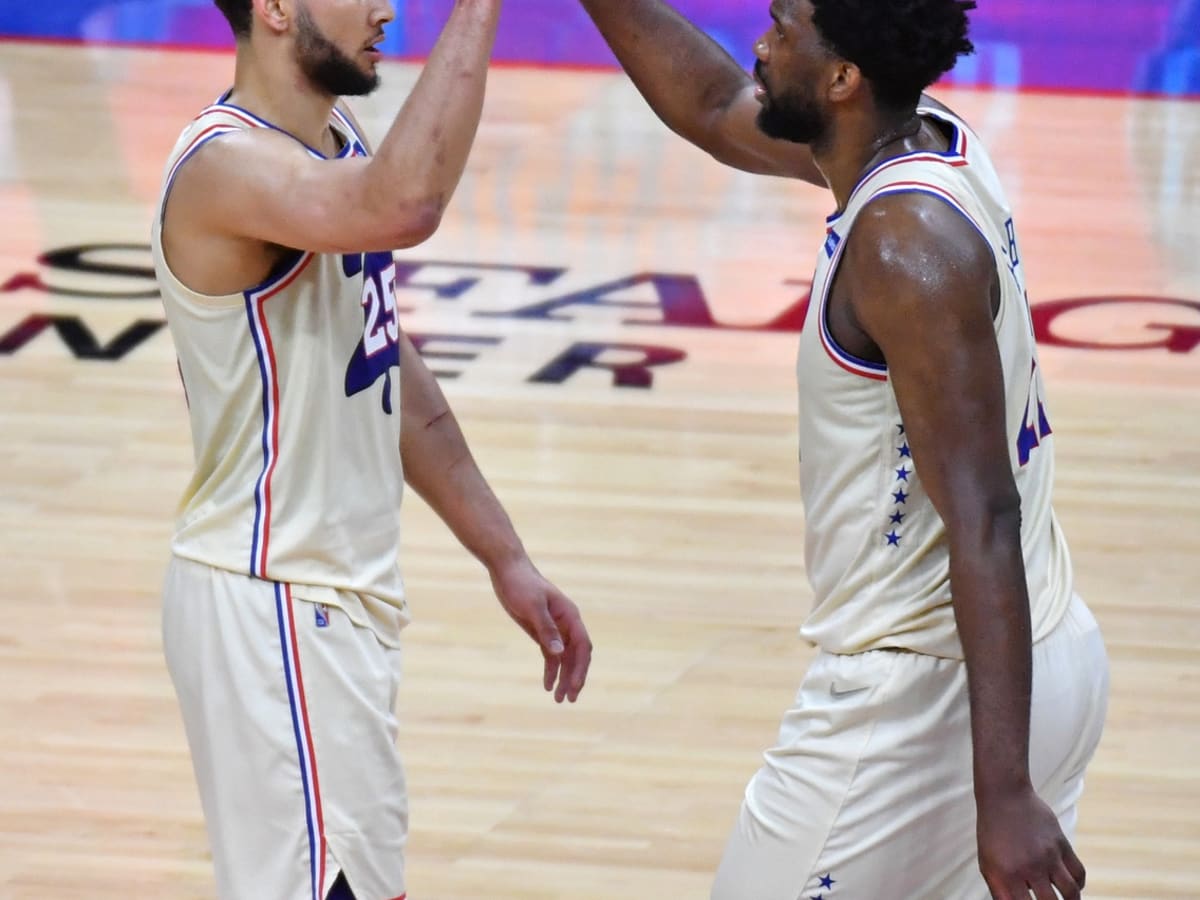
(855, 146)
(272, 86)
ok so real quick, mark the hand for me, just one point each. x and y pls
(1023, 850)
(552, 620)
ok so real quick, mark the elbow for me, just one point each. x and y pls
(992, 518)
(418, 222)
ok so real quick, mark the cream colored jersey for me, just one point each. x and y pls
(294, 398)
(876, 549)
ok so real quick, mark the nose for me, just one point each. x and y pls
(760, 48)
(382, 14)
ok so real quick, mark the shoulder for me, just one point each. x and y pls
(235, 153)
(916, 235)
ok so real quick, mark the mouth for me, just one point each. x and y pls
(760, 88)
(372, 48)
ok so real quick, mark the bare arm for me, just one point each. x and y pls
(921, 283)
(271, 190)
(695, 87)
(439, 466)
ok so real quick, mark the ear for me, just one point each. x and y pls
(275, 15)
(845, 81)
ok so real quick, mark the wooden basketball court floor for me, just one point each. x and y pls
(670, 512)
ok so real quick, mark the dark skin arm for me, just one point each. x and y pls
(918, 287)
(695, 87)
(439, 466)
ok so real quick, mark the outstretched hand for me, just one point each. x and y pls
(553, 622)
(1022, 850)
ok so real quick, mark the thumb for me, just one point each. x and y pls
(547, 633)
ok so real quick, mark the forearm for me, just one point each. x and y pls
(426, 149)
(685, 76)
(991, 605)
(439, 466)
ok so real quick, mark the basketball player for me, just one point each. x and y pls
(961, 685)
(309, 408)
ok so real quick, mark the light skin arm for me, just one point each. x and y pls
(439, 466)
(261, 185)
(921, 285)
(695, 87)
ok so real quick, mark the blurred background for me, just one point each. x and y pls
(1142, 46)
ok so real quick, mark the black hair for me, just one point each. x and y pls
(238, 12)
(901, 46)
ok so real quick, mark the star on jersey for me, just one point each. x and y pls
(827, 881)
(899, 497)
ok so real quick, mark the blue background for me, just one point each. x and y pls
(1138, 46)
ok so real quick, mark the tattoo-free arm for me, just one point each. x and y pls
(695, 87)
(262, 185)
(439, 466)
(921, 283)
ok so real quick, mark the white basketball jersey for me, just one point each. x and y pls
(876, 549)
(294, 398)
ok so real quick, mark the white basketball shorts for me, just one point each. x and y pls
(868, 794)
(288, 709)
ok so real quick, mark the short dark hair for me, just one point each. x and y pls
(238, 12)
(901, 46)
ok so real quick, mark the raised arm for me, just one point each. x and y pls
(439, 466)
(695, 87)
(922, 284)
(271, 190)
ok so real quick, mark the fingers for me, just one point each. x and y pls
(1060, 879)
(1000, 891)
(577, 657)
(547, 633)
(550, 672)
(557, 627)
(551, 642)
(578, 660)
(1069, 875)
(1068, 886)
(1073, 865)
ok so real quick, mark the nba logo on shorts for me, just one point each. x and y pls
(321, 613)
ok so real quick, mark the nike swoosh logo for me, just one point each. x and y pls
(846, 692)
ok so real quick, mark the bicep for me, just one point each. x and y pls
(927, 304)
(950, 391)
(421, 399)
(737, 141)
(265, 187)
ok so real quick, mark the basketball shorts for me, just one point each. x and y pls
(288, 709)
(868, 794)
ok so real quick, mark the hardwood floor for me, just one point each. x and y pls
(669, 512)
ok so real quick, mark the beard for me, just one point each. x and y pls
(327, 68)
(790, 117)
